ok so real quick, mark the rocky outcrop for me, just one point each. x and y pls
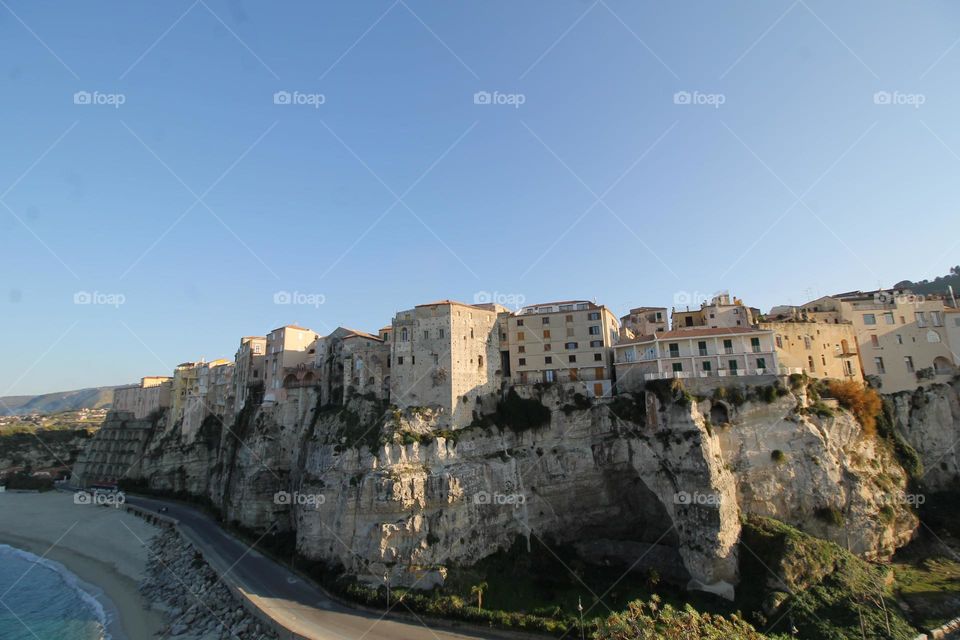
(929, 418)
(651, 481)
(196, 603)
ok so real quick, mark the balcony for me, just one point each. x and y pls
(721, 373)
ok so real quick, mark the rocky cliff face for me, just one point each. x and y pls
(929, 419)
(645, 481)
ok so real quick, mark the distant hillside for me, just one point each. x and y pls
(937, 285)
(94, 398)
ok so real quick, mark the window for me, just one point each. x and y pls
(571, 358)
(878, 363)
(594, 330)
(404, 336)
(399, 359)
(519, 336)
(598, 357)
(811, 365)
(728, 346)
(598, 373)
(706, 365)
(869, 318)
(413, 359)
(547, 347)
(522, 362)
(570, 345)
(436, 359)
(549, 375)
(674, 350)
(593, 315)
(733, 364)
(755, 344)
(936, 318)
(779, 341)
(581, 305)
(596, 343)
(546, 333)
(921, 318)
(548, 360)
(519, 322)
(569, 318)
(908, 361)
(761, 363)
(426, 334)
(521, 349)
(899, 338)
(440, 333)
(677, 367)
(874, 341)
(569, 332)
(888, 317)
(471, 333)
(806, 342)
(546, 319)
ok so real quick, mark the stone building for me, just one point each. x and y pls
(721, 311)
(152, 394)
(366, 365)
(818, 349)
(184, 385)
(288, 348)
(703, 355)
(446, 356)
(901, 337)
(198, 403)
(951, 319)
(644, 321)
(248, 369)
(568, 342)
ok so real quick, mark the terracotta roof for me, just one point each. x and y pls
(695, 333)
(354, 333)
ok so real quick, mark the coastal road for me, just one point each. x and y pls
(298, 605)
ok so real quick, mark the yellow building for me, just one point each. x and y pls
(901, 337)
(721, 311)
(569, 341)
(819, 349)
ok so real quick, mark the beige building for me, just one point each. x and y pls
(702, 353)
(445, 355)
(819, 349)
(184, 385)
(248, 369)
(152, 394)
(366, 364)
(644, 321)
(288, 347)
(721, 311)
(952, 322)
(568, 341)
(901, 337)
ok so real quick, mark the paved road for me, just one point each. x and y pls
(298, 605)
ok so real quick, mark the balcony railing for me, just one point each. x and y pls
(720, 373)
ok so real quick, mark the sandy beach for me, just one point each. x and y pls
(104, 546)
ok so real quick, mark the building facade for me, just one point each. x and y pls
(288, 348)
(818, 349)
(644, 321)
(952, 322)
(445, 355)
(901, 337)
(248, 369)
(721, 311)
(570, 341)
(704, 353)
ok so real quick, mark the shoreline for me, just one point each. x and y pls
(86, 549)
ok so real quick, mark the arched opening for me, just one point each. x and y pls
(290, 381)
(719, 414)
(942, 366)
(308, 378)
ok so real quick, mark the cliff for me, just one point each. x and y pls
(653, 480)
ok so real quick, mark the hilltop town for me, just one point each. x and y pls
(456, 358)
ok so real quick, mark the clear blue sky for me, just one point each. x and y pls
(494, 197)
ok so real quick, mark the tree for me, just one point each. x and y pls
(477, 590)
(648, 621)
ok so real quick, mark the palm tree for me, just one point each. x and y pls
(477, 590)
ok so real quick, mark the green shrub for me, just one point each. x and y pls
(830, 515)
(521, 414)
(778, 456)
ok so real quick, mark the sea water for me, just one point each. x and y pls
(41, 599)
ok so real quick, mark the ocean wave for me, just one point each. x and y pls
(71, 580)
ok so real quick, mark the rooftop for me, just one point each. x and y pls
(694, 333)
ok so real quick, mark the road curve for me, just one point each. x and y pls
(299, 606)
